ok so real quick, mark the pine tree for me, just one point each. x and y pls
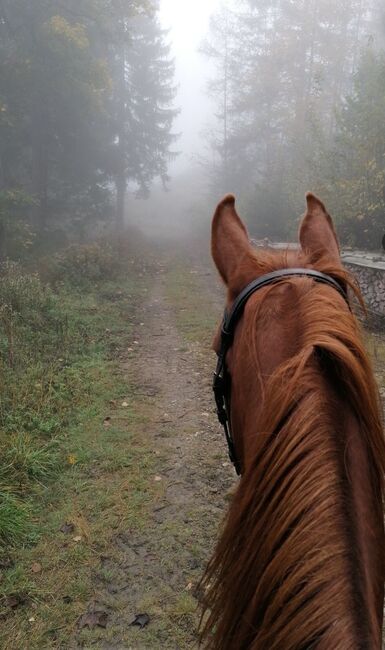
(85, 99)
(51, 93)
(143, 96)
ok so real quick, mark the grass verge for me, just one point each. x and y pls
(73, 466)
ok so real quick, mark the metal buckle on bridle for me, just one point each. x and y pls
(221, 383)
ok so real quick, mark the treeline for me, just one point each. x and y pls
(300, 91)
(86, 107)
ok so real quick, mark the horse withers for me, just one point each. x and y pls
(300, 560)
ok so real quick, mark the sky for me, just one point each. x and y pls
(188, 24)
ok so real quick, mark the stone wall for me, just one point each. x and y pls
(372, 284)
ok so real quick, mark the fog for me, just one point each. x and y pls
(286, 131)
(188, 24)
(122, 114)
(122, 124)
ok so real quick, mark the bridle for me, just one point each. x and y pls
(221, 383)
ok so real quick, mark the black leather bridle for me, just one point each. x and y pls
(221, 383)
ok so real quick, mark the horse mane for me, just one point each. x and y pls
(285, 568)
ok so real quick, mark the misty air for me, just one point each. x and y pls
(192, 324)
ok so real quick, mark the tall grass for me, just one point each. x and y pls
(49, 331)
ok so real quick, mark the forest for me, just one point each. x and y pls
(87, 106)
(85, 109)
(300, 95)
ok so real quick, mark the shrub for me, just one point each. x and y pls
(30, 318)
(81, 264)
(23, 461)
(23, 293)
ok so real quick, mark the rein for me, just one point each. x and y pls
(221, 383)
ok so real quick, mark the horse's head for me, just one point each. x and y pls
(269, 332)
(299, 563)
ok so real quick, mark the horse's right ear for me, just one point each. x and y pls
(317, 235)
(232, 252)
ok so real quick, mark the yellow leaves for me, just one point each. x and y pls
(75, 35)
(71, 459)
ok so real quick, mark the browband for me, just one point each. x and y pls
(230, 319)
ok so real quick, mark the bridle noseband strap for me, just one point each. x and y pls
(221, 380)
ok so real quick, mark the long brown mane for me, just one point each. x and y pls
(293, 568)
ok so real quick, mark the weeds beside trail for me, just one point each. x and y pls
(71, 469)
(114, 470)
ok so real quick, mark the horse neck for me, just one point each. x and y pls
(299, 563)
(347, 485)
(364, 518)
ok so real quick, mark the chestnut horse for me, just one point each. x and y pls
(300, 560)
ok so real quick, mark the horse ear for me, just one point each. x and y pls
(317, 235)
(231, 250)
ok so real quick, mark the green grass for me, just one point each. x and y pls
(60, 463)
(184, 289)
(14, 519)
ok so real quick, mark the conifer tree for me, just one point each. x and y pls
(86, 90)
(143, 96)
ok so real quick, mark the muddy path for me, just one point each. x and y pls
(154, 570)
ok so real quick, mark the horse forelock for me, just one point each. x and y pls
(295, 566)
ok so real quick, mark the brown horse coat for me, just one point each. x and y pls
(300, 560)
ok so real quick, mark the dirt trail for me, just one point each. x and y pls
(155, 570)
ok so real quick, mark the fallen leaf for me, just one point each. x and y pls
(78, 538)
(71, 459)
(67, 528)
(124, 404)
(189, 586)
(31, 620)
(93, 619)
(36, 567)
(157, 479)
(141, 620)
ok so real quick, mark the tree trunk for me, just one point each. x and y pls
(121, 177)
(3, 242)
(39, 174)
(121, 186)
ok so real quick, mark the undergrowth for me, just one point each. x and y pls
(53, 344)
(72, 470)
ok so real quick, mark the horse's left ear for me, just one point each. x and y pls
(317, 235)
(231, 250)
